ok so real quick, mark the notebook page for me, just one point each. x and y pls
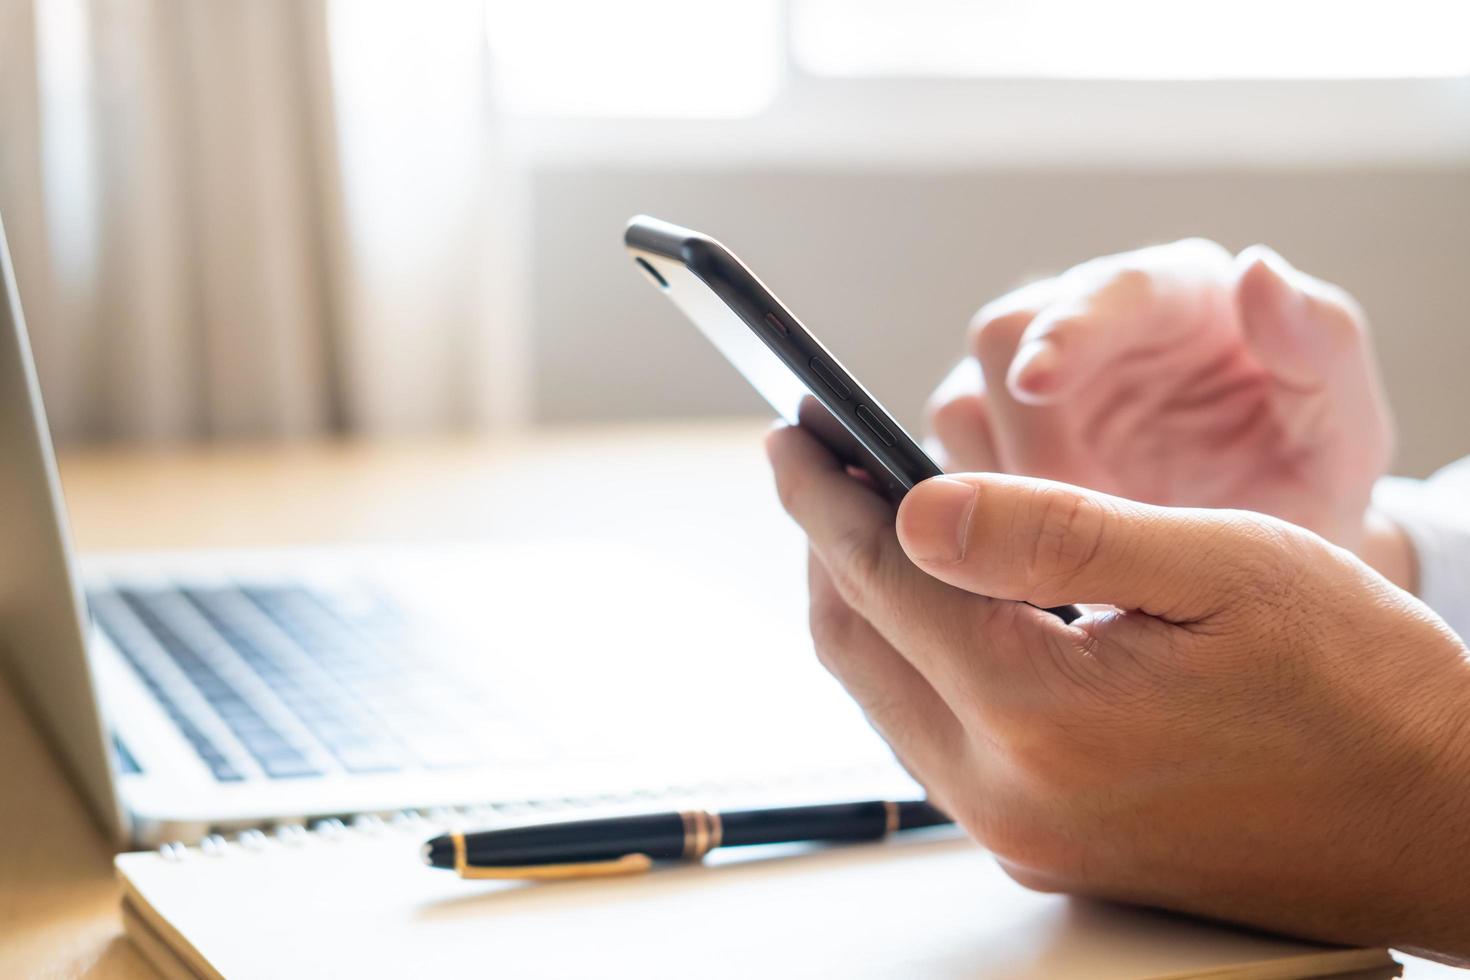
(361, 904)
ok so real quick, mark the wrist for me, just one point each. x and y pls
(1435, 872)
(1389, 551)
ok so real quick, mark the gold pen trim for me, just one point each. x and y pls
(702, 833)
(625, 865)
(717, 830)
(890, 817)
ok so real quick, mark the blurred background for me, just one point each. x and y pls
(277, 219)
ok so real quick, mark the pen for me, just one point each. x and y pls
(625, 845)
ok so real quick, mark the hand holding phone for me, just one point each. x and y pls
(801, 379)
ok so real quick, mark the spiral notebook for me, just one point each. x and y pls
(356, 901)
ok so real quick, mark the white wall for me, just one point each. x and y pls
(888, 265)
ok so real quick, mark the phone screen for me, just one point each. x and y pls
(728, 332)
(784, 362)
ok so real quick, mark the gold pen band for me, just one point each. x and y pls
(717, 831)
(703, 832)
(890, 817)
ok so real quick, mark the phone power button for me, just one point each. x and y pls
(830, 379)
(866, 416)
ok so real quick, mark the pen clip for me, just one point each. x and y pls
(626, 865)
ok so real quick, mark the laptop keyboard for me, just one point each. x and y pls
(287, 682)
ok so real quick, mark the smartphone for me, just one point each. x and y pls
(776, 353)
(780, 357)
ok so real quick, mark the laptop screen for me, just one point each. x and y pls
(42, 619)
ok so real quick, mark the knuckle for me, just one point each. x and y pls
(994, 337)
(1203, 250)
(1266, 560)
(1043, 755)
(833, 624)
(1029, 751)
(1140, 275)
(856, 564)
(1069, 529)
(1132, 281)
(790, 489)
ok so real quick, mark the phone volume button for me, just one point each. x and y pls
(866, 416)
(830, 379)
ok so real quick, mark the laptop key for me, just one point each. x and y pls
(219, 766)
(336, 669)
(303, 682)
(366, 758)
(291, 765)
(277, 757)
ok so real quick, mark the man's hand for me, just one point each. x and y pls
(1251, 724)
(1178, 375)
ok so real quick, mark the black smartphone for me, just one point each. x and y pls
(780, 357)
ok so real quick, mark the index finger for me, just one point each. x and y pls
(955, 639)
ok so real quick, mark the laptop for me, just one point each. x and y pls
(202, 693)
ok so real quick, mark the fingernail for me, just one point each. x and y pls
(935, 520)
(1034, 369)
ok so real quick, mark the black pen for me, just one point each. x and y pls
(624, 845)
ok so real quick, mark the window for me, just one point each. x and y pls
(1132, 39)
(637, 58)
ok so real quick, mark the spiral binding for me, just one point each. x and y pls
(506, 813)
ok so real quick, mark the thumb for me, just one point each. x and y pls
(1294, 324)
(1049, 543)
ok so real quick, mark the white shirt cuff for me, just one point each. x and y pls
(1435, 515)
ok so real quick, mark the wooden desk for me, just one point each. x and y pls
(58, 902)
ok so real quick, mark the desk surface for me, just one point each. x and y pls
(58, 903)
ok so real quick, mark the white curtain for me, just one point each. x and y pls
(258, 218)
